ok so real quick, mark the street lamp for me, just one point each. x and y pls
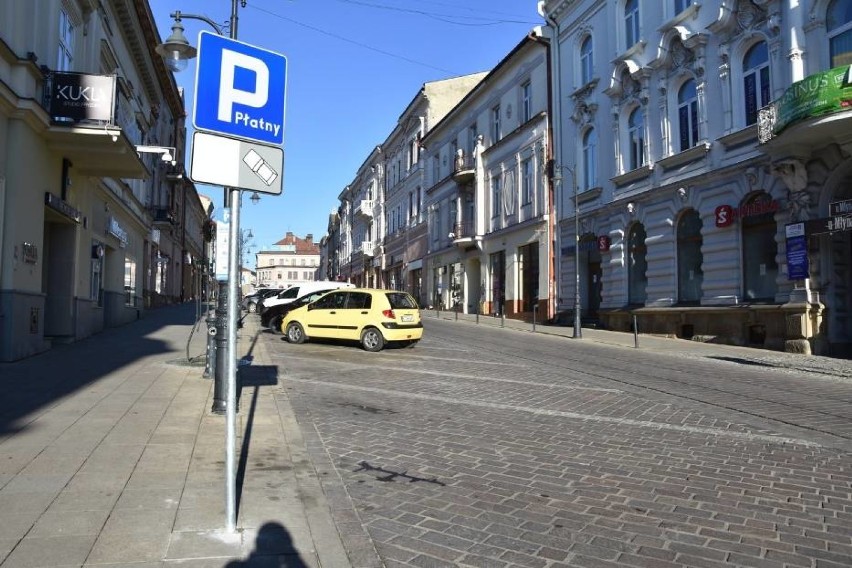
(176, 51)
(557, 178)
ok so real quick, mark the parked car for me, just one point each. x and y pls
(297, 290)
(250, 301)
(370, 316)
(271, 318)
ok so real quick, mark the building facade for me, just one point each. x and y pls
(377, 236)
(682, 206)
(490, 237)
(292, 260)
(96, 216)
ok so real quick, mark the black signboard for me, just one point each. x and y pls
(829, 225)
(840, 208)
(80, 97)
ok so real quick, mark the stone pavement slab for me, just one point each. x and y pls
(110, 456)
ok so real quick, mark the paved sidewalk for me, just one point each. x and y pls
(110, 455)
(792, 362)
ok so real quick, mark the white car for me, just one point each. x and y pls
(299, 290)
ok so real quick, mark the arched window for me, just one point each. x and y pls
(590, 152)
(689, 258)
(636, 133)
(759, 248)
(586, 66)
(637, 265)
(838, 24)
(631, 22)
(756, 86)
(687, 115)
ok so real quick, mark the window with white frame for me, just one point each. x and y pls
(471, 141)
(590, 157)
(586, 64)
(526, 102)
(496, 193)
(631, 22)
(687, 115)
(636, 134)
(838, 24)
(527, 181)
(756, 87)
(436, 169)
(495, 124)
(65, 56)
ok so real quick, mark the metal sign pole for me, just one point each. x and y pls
(231, 411)
(233, 303)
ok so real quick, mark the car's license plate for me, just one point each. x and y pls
(407, 317)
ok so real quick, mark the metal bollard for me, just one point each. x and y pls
(635, 332)
(210, 361)
(535, 313)
(502, 320)
(220, 401)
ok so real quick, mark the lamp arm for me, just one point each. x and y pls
(178, 15)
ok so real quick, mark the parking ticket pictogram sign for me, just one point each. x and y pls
(239, 90)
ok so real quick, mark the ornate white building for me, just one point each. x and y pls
(683, 207)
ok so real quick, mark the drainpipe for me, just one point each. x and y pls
(554, 111)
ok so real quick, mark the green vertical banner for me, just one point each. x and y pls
(816, 95)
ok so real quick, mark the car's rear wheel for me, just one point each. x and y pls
(252, 307)
(372, 339)
(295, 333)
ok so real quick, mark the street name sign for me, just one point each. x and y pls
(239, 90)
(219, 160)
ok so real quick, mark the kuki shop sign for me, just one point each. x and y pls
(81, 97)
(816, 95)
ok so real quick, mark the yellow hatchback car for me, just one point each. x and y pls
(370, 316)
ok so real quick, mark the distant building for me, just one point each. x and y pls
(292, 260)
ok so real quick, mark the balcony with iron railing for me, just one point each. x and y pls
(368, 248)
(464, 168)
(464, 233)
(365, 208)
(810, 113)
(163, 215)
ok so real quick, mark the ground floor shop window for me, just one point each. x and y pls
(528, 276)
(96, 288)
(130, 281)
(689, 258)
(637, 265)
(760, 270)
(497, 267)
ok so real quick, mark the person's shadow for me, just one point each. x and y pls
(273, 547)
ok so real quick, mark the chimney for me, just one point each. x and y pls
(309, 237)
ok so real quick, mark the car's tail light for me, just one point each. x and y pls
(389, 314)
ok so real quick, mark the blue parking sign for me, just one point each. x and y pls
(239, 90)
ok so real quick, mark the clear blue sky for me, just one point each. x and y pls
(353, 67)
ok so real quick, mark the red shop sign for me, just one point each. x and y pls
(726, 214)
(603, 243)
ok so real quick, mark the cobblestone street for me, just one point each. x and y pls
(491, 447)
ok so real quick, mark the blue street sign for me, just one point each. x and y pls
(239, 90)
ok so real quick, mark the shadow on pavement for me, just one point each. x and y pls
(41, 380)
(273, 547)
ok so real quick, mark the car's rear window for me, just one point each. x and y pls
(401, 301)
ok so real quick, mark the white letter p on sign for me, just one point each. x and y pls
(228, 95)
